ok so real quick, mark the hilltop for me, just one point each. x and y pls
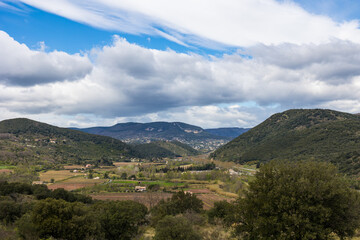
(300, 134)
(24, 140)
(132, 132)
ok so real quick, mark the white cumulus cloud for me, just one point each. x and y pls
(25, 67)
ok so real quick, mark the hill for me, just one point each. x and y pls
(230, 133)
(300, 134)
(162, 149)
(24, 140)
(161, 131)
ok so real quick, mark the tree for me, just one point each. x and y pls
(124, 175)
(175, 228)
(180, 202)
(61, 193)
(222, 210)
(298, 200)
(120, 219)
(10, 211)
(41, 191)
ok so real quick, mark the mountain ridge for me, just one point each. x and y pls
(133, 132)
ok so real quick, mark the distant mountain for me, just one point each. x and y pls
(161, 149)
(319, 134)
(161, 131)
(24, 140)
(230, 133)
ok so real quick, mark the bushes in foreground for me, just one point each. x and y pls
(75, 220)
(298, 200)
(40, 213)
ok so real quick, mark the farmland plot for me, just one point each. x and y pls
(58, 175)
(149, 199)
(76, 183)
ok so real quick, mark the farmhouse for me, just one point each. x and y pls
(140, 189)
(37, 182)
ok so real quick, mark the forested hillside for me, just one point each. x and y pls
(230, 133)
(27, 141)
(300, 134)
(162, 149)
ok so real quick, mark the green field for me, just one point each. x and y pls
(7, 167)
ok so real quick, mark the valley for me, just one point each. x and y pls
(72, 164)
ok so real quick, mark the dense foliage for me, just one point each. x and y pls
(180, 202)
(120, 219)
(178, 148)
(61, 220)
(40, 213)
(27, 141)
(163, 149)
(224, 211)
(41, 192)
(301, 200)
(300, 134)
(153, 151)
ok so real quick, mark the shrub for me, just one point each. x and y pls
(298, 200)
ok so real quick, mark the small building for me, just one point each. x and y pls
(232, 172)
(140, 189)
(37, 182)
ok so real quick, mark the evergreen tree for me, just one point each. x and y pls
(298, 200)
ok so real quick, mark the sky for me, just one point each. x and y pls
(210, 63)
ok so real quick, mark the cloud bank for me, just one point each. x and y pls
(125, 81)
